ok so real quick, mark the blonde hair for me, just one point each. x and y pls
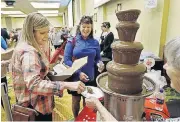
(34, 21)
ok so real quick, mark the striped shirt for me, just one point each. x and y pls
(29, 80)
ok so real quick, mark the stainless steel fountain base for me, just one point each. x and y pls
(125, 107)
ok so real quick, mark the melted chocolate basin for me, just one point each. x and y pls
(125, 107)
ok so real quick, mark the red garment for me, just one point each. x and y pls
(87, 114)
(58, 52)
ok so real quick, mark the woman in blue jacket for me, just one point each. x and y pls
(80, 46)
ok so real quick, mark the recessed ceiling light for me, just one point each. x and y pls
(45, 5)
(12, 12)
(52, 15)
(20, 15)
(48, 11)
(3, 5)
(48, 0)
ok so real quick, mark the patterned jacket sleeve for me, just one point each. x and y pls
(31, 67)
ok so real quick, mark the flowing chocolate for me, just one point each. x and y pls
(125, 74)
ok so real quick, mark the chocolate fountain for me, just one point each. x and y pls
(124, 84)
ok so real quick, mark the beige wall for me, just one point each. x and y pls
(82, 6)
(18, 22)
(66, 17)
(150, 21)
(56, 21)
(97, 25)
(77, 12)
(3, 23)
(173, 28)
(89, 9)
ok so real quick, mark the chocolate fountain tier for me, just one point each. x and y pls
(127, 31)
(125, 107)
(125, 79)
(126, 52)
(128, 15)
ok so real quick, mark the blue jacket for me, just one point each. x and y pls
(81, 48)
(3, 43)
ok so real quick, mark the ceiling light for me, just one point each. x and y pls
(52, 15)
(45, 5)
(21, 15)
(48, 0)
(3, 5)
(48, 11)
(12, 12)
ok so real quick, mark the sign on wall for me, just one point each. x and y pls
(150, 3)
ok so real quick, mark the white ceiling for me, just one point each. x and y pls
(26, 7)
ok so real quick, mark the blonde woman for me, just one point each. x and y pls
(30, 66)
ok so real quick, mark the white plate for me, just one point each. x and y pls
(97, 93)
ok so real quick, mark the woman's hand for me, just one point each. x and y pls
(92, 102)
(83, 77)
(75, 86)
(100, 65)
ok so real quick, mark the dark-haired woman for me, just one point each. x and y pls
(82, 45)
(107, 38)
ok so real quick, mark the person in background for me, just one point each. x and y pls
(17, 34)
(29, 67)
(4, 64)
(52, 35)
(66, 30)
(57, 40)
(64, 38)
(103, 34)
(5, 34)
(82, 45)
(107, 38)
(172, 67)
(3, 43)
(19, 30)
(13, 38)
(62, 30)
